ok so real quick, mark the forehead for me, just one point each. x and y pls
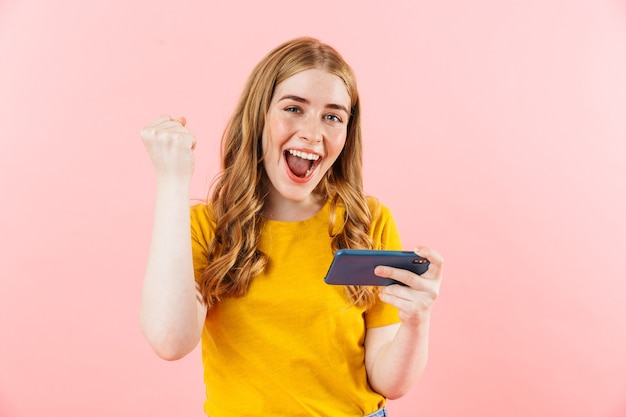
(315, 85)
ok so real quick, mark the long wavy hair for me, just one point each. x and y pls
(238, 194)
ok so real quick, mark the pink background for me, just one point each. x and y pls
(495, 130)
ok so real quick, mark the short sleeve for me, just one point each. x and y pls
(381, 314)
(385, 235)
(202, 231)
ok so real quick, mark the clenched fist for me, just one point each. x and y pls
(170, 146)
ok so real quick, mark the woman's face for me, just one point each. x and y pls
(304, 133)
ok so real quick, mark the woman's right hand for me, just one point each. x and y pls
(170, 146)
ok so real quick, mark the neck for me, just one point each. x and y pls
(281, 209)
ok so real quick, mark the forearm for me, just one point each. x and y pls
(169, 311)
(400, 363)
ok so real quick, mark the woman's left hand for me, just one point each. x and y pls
(416, 299)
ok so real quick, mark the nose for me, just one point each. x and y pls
(311, 130)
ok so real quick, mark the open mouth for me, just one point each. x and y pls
(301, 164)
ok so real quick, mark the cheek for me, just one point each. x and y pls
(280, 127)
(265, 140)
(336, 144)
(272, 134)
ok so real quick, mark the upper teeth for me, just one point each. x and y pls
(304, 155)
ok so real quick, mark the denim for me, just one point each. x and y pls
(380, 413)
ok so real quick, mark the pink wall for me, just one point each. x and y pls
(495, 130)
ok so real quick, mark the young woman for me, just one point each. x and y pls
(276, 340)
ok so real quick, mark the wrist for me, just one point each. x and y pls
(171, 179)
(417, 324)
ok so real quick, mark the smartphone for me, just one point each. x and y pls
(356, 266)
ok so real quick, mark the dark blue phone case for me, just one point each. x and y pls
(356, 266)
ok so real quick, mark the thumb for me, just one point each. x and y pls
(180, 119)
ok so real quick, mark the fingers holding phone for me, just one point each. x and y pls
(415, 298)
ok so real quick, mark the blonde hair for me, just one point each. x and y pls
(239, 192)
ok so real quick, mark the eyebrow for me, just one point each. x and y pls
(305, 101)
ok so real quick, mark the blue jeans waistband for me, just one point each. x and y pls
(380, 413)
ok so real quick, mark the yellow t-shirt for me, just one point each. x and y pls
(293, 346)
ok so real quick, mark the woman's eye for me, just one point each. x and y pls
(292, 109)
(333, 118)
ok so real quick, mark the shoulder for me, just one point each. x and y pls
(379, 211)
(383, 228)
(201, 213)
(202, 221)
